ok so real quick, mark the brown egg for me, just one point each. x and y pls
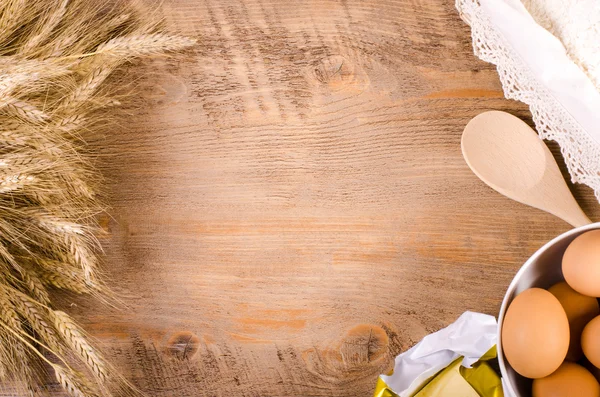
(580, 310)
(581, 264)
(590, 341)
(590, 367)
(535, 333)
(568, 380)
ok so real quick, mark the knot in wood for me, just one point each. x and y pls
(364, 344)
(334, 70)
(183, 345)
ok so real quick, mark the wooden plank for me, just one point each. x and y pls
(293, 210)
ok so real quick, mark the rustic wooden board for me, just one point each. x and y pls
(293, 210)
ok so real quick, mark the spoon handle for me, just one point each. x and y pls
(575, 217)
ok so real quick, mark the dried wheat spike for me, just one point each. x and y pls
(86, 89)
(63, 276)
(146, 44)
(73, 382)
(8, 313)
(71, 123)
(37, 319)
(36, 288)
(6, 257)
(46, 27)
(82, 255)
(75, 338)
(74, 237)
(27, 111)
(14, 182)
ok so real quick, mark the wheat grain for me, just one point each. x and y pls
(14, 182)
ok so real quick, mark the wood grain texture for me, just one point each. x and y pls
(293, 209)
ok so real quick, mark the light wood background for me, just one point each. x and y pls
(292, 210)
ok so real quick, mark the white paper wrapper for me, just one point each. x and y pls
(471, 336)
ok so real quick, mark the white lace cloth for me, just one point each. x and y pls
(534, 66)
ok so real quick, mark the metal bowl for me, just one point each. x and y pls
(542, 269)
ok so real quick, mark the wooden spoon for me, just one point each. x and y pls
(508, 155)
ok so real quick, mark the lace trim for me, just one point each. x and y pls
(581, 153)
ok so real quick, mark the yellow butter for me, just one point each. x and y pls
(449, 382)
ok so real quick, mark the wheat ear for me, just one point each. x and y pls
(86, 88)
(18, 356)
(73, 236)
(64, 276)
(74, 337)
(73, 382)
(14, 182)
(35, 287)
(47, 27)
(29, 309)
(10, 16)
(145, 44)
(27, 111)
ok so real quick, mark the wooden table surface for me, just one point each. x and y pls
(292, 209)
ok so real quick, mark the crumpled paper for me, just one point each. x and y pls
(471, 336)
